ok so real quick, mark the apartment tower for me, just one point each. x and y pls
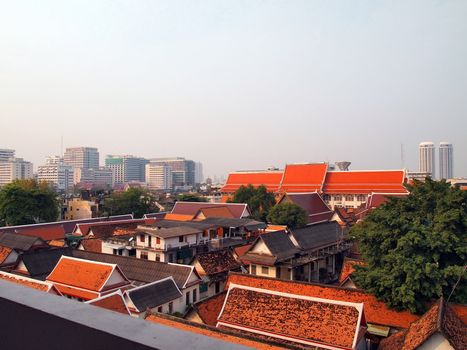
(426, 158)
(445, 160)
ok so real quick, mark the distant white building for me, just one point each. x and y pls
(426, 158)
(12, 168)
(101, 176)
(445, 160)
(159, 177)
(56, 173)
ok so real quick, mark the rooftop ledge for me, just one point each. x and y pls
(44, 321)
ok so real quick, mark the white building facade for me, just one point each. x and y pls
(12, 168)
(56, 173)
(159, 177)
(426, 158)
(445, 160)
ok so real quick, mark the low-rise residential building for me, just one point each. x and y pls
(162, 296)
(86, 280)
(78, 209)
(213, 268)
(305, 254)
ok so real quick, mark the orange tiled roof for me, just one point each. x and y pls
(303, 177)
(376, 312)
(178, 217)
(213, 333)
(282, 315)
(209, 309)
(4, 252)
(348, 268)
(48, 233)
(270, 179)
(92, 244)
(25, 281)
(75, 292)
(81, 273)
(114, 302)
(440, 318)
(218, 212)
(272, 228)
(56, 243)
(240, 251)
(359, 182)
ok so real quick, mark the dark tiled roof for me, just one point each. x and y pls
(154, 294)
(191, 208)
(233, 222)
(440, 318)
(19, 241)
(41, 263)
(217, 261)
(169, 232)
(318, 235)
(312, 203)
(279, 244)
(141, 270)
(293, 316)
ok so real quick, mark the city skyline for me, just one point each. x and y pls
(235, 85)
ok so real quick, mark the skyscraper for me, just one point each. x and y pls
(445, 160)
(126, 168)
(183, 170)
(82, 157)
(158, 177)
(426, 158)
(12, 168)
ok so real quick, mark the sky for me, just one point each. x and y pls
(235, 84)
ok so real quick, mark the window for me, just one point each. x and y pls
(132, 252)
(159, 309)
(144, 255)
(141, 238)
(158, 257)
(171, 307)
(149, 240)
(115, 251)
(253, 269)
(265, 270)
(187, 300)
(361, 198)
(205, 233)
(338, 197)
(218, 287)
(203, 288)
(194, 295)
(180, 239)
(171, 258)
(278, 272)
(349, 198)
(327, 197)
(158, 240)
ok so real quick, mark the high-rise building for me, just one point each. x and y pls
(183, 171)
(56, 173)
(14, 169)
(199, 177)
(101, 176)
(126, 168)
(82, 157)
(426, 158)
(6, 154)
(159, 177)
(445, 160)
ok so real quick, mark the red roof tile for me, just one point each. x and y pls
(209, 309)
(348, 268)
(376, 312)
(303, 177)
(4, 253)
(360, 182)
(47, 233)
(311, 321)
(25, 281)
(178, 217)
(270, 179)
(217, 212)
(440, 318)
(237, 210)
(113, 301)
(81, 273)
(76, 293)
(92, 244)
(216, 262)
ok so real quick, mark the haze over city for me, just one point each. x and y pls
(235, 84)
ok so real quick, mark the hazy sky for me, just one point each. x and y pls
(235, 84)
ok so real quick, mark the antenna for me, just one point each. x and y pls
(402, 156)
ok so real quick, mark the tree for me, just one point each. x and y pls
(288, 214)
(415, 247)
(25, 202)
(258, 199)
(189, 197)
(134, 201)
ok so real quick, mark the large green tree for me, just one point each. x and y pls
(258, 199)
(415, 247)
(27, 202)
(134, 201)
(288, 214)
